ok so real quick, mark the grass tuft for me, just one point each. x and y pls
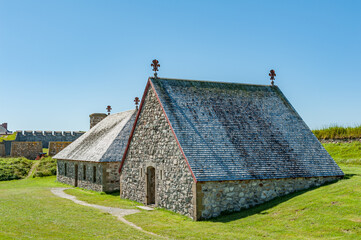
(338, 132)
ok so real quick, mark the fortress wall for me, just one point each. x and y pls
(47, 136)
(29, 150)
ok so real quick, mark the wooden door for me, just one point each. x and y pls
(150, 185)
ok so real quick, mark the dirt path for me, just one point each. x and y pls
(33, 167)
(118, 212)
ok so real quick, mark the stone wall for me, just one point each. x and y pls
(95, 118)
(153, 145)
(56, 147)
(213, 198)
(106, 176)
(29, 150)
(2, 150)
(47, 136)
(87, 180)
(111, 176)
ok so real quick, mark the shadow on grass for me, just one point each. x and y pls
(259, 209)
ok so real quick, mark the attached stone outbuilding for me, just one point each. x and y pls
(93, 160)
(202, 148)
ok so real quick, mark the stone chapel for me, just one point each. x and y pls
(201, 148)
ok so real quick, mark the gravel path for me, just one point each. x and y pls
(33, 168)
(118, 212)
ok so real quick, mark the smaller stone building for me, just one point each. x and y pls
(92, 161)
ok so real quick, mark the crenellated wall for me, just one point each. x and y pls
(47, 136)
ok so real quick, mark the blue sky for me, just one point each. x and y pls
(63, 60)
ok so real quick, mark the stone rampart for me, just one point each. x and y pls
(56, 147)
(47, 136)
(29, 150)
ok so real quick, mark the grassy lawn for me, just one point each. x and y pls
(328, 212)
(29, 210)
(345, 153)
(108, 200)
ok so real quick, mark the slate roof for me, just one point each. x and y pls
(231, 131)
(105, 142)
(3, 130)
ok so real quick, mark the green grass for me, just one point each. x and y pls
(14, 168)
(329, 212)
(338, 132)
(8, 137)
(28, 210)
(46, 150)
(345, 153)
(108, 200)
(47, 167)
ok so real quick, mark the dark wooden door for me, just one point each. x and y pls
(150, 185)
(76, 175)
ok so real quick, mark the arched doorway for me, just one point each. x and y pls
(150, 185)
(76, 175)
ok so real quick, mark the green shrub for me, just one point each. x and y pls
(47, 167)
(14, 168)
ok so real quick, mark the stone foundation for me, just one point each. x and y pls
(30, 150)
(106, 175)
(56, 147)
(213, 198)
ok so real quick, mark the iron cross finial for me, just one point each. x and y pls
(109, 108)
(155, 65)
(136, 100)
(272, 74)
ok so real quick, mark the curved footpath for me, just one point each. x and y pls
(118, 212)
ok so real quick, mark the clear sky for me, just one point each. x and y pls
(63, 60)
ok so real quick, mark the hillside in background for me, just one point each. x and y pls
(338, 132)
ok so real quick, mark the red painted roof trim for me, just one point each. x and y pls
(170, 125)
(175, 136)
(134, 125)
